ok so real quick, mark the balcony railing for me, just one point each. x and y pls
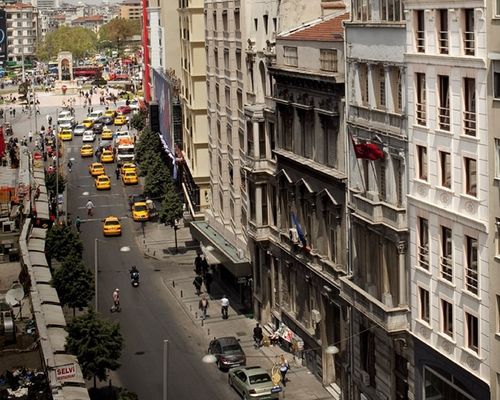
(395, 123)
(443, 42)
(444, 118)
(447, 269)
(421, 115)
(392, 319)
(471, 280)
(423, 256)
(469, 43)
(470, 123)
(379, 212)
(421, 41)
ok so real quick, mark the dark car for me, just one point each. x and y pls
(106, 120)
(135, 198)
(97, 127)
(228, 352)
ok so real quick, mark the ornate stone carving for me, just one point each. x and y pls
(421, 190)
(472, 362)
(447, 347)
(445, 198)
(470, 207)
(401, 247)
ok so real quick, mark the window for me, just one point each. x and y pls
(363, 82)
(262, 141)
(420, 30)
(445, 162)
(236, 20)
(361, 10)
(468, 34)
(265, 21)
(472, 324)
(421, 116)
(446, 254)
(497, 158)
(444, 102)
(497, 14)
(470, 176)
(290, 55)
(471, 268)
(391, 10)
(423, 243)
(381, 84)
(469, 106)
(443, 31)
(328, 60)
(238, 60)
(496, 78)
(422, 162)
(498, 314)
(425, 310)
(447, 318)
(367, 352)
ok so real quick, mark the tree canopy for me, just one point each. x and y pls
(171, 206)
(74, 283)
(75, 39)
(118, 30)
(61, 241)
(96, 342)
(157, 177)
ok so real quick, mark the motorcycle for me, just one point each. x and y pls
(134, 279)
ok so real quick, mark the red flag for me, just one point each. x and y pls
(2, 142)
(369, 151)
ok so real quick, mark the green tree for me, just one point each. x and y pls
(147, 150)
(138, 121)
(171, 208)
(157, 178)
(118, 30)
(96, 342)
(61, 241)
(77, 40)
(74, 283)
(50, 183)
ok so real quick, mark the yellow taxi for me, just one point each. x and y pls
(111, 226)
(107, 156)
(110, 113)
(88, 123)
(102, 182)
(107, 134)
(130, 178)
(128, 167)
(66, 135)
(140, 211)
(120, 120)
(96, 169)
(87, 150)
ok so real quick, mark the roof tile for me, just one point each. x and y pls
(330, 30)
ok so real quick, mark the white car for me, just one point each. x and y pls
(63, 115)
(66, 122)
(88, 136)
(95, 114)
(79, 130)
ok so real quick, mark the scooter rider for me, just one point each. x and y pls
(116, 299)
(134, 273)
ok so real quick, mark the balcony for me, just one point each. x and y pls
(469, 43)
(378, 119)
(421, 41)
(259, 165)
(378, 212)
(392, 319)
(444, 118)
(470, 123)
(259, 232)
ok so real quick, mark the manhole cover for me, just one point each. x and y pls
(139, 353)
(241, 334)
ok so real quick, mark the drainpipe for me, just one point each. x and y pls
(145, 52)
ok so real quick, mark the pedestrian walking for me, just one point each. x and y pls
(204, 265)
(117, 172)
(30, 136)
(284, 367)
(203, 306)
(90, 207)
(207, 280)
(14, 113)
(197, 282)
(78, 222)
(197, 264)
(258, 335)
(224, 303)
(70, 165)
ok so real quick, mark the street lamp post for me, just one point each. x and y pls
(165, 369)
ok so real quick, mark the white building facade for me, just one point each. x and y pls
(448, 200)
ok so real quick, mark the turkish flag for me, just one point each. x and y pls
(369, 151)
(2, 142)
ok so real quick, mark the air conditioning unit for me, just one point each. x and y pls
(8, 226)
(365, 378)
(241, 253)
(316, 316)
(293, 235)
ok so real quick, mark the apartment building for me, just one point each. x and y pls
(195, 165)
(449, 210)
(22, 32)
(376, 286)
(130, 9)
(493, 108)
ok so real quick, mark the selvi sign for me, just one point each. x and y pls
(65, 372)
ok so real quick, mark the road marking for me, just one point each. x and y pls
(106, 205)
(104, 195)
(100, 219)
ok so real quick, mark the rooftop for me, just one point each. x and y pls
(327, 29)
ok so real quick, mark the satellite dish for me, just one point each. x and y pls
(14, 295)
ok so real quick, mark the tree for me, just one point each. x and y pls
(157, 178)
(148, 150)
(77, 40)
(61, 241)
(118, 30)
(74, 283)
(171, 208)
(96, 342)
(138, 121)
(50, 183)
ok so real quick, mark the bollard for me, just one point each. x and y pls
(173, 283)
(154, 253)
(208, 331)
(190, 308)
(181, 293)
(202, 322)
(143, 241)
(196, 315)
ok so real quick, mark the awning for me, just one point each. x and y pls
(36, 245)
(42, 209)
(75, 393)
(47, 294)
(42, 274)
(53, 315)
(38, 233)
(57, 338)
(38, 259)
(218, 250)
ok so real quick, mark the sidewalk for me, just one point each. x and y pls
(158, 243)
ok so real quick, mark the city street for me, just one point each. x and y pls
(149, 313)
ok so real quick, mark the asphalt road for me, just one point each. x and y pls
(150, 314)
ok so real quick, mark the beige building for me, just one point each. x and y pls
(22, 32)
(193, 97)
(130, 9)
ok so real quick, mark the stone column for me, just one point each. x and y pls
(255, 133)
(389, 99)
(258, 205)
(403, 301)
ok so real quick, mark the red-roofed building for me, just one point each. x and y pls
(93, 22)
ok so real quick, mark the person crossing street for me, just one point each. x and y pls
(90, 207)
